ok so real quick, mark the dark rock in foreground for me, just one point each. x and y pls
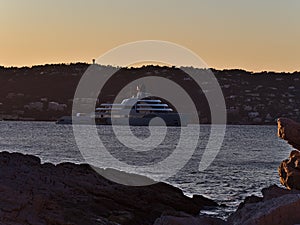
(277, 206)
(179, 218)
(35, 193)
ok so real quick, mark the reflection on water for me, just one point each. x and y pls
(246, 163)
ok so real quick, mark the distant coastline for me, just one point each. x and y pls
(45, 93)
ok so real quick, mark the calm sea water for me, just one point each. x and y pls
(246, 163)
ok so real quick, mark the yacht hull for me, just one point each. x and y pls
(153, 120)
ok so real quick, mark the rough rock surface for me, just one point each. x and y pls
(277, 206)
(289, 171)
(35, 193)
(179, 218)
(289, 130)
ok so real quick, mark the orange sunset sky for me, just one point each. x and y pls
(254, 35)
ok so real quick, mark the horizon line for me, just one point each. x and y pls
(145, 65)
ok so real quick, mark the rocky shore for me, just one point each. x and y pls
(35, 193)
(70, 194)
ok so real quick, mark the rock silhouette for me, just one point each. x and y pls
(67, 193)
(179, 218)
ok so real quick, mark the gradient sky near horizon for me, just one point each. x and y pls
(255, 35)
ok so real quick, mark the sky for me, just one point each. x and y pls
(256, 35)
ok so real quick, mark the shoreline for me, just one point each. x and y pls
(34, 191)
(251, 98)
(235, 124)
(44, 193)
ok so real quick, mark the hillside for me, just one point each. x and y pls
(46, 92)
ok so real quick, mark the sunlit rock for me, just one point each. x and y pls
(289, 130)
(289, 171)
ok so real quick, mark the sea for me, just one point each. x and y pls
(246, 162)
